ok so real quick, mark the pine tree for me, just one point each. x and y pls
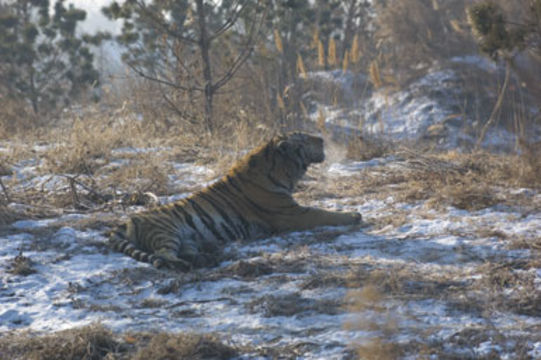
(187, 47)
(502, 39)
(43, 61)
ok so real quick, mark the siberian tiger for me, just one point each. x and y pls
(253, 200)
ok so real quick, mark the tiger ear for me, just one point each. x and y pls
(284, 146)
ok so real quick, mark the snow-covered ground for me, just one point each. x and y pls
(417, 279)
(436, 106)
(451, 279)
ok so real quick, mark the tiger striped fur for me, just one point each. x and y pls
(253, 200)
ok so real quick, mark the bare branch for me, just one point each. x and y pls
(174, 107)
(164, 82)
(244, 55)
(229, 22)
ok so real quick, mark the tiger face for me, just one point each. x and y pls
(305, 147)
(253, 200)
(282, 162)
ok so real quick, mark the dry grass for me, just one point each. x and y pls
(7, 215)
(95, 342)
(81, 148)
(91, 342)
(382, 323)
(185, 346)
(531, 162)
(510, 287)
(247, 269)
(21, 265)
(466, 181)
(380, 300)
(86, 145)
(146, 173)
(378, 349)
(15, 118)
(292, 304)
(365, 148)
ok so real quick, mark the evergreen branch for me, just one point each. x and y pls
(164, 26)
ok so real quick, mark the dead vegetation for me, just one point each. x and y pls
(95, 342)
(21, 265)
(85, 161)
(92, 342)
(292, 304)
(185, 346)
(469, 181)
(366, 148)
(7, 215)
(379, 305)
(509, 286)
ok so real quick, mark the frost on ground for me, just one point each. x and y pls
(419, 278)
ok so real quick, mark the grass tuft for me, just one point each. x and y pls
(185, 346)
(95, 342)
(92, 342)
(21, 265)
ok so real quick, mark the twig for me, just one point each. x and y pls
(74, 196)
(89, 189)
(8, 199)
(203, 301)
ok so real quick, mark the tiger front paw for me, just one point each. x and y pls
(356, 218)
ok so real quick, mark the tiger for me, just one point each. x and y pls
(252, 201)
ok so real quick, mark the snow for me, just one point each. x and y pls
(431, 107)
(481, 62)
(134, 151)
(78, 281)
(536, 350)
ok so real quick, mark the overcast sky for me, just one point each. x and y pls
(94, 18)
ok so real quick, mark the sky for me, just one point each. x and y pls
(95, 20)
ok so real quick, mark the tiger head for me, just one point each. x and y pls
(300, 146)
(279, 164)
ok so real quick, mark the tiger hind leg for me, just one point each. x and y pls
(159, 259)
(118, 242)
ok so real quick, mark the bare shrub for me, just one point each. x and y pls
(87, 146)
(146, 172)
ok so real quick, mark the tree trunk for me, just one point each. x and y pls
(497, 106)
(33, 93)
(204, 45)
(349, 31)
